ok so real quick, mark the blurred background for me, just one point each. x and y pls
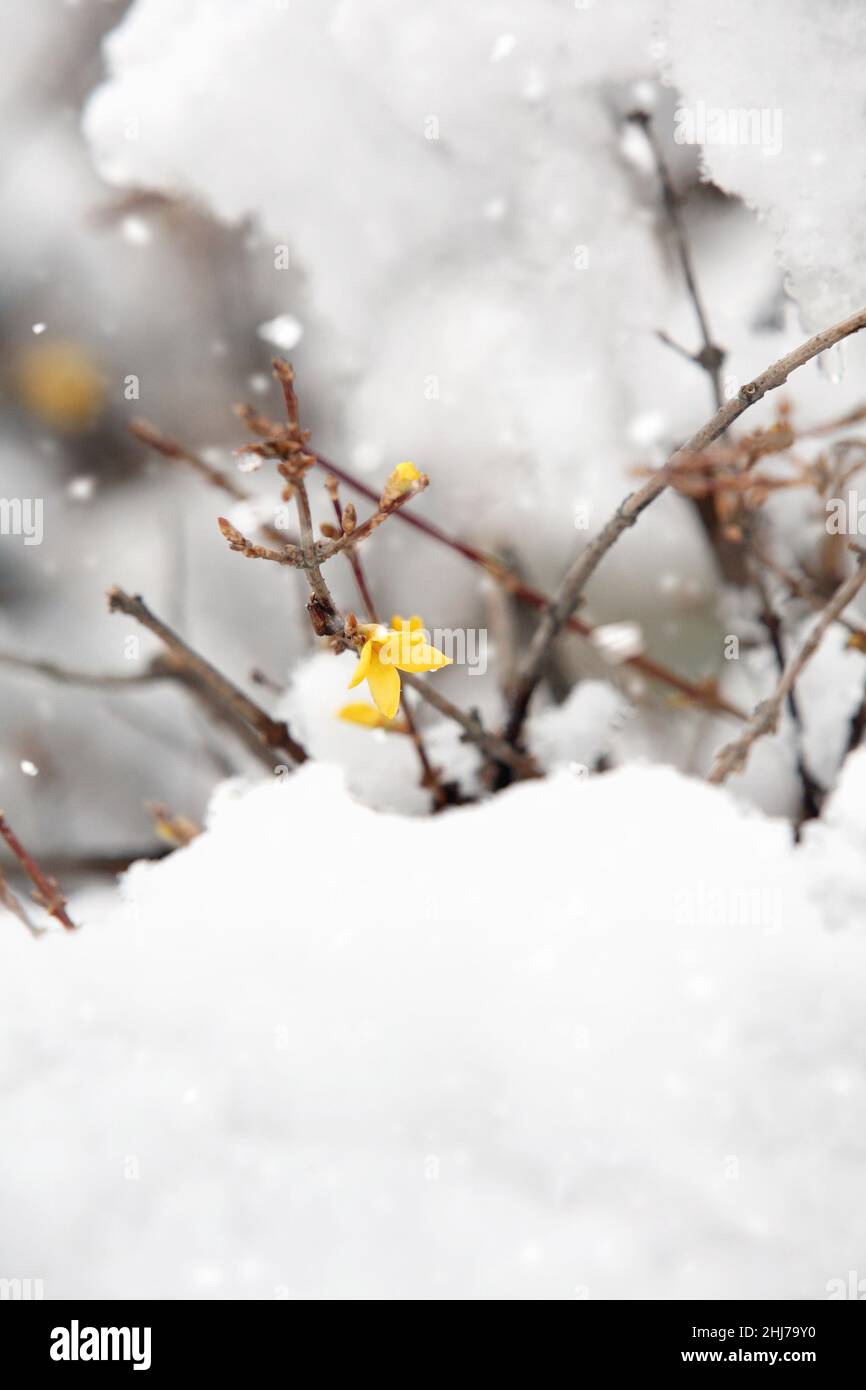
(484, 298)
(115, 305)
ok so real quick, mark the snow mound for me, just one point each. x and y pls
(591, 1038)
(777, 90)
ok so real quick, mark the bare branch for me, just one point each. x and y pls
(700, 693)
(812, 792)
(272, 733)
(430, 778)
(711, 357)
(160, 669)
(734, 755)
(173, 450)
(288, 555)
(495, 749)
(66, 675)
(571, 590)
(45, 890)
(13, 905)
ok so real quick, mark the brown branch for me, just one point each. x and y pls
(495, 749)
(571, 590)
(697, 692)
(857, 726)
(711, 357)
(317, 552)
(45, 890)
(327, 619)
(430, 778)
(734, 755)
(804, 589)
(173, 450)
(160, 669)
(812, 792)
(387, 507)
(66, 675)
(271, 733)
(288, 555)
(345, 522)
(13, 905)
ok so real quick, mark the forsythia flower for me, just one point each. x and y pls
(387, 651)
(399, 481)
(361, 713)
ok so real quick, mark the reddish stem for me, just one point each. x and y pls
(533, 598)
(47, 893)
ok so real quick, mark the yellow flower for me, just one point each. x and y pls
(405, 473)
(61, 383)
(400, 480)
(359, 712)
(388, 650)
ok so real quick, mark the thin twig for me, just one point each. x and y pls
(13, 904)
(803, 588)
(857, 726)
(312, 555)
(697, 692)
(495, 749)
(326, 618)
(734, 755)
(161, 668)
(812, 792)
(46, 892)
(571, 590)
(711, 357)
(272, 733)
(430, 778)
(172, 449)
(67, 675)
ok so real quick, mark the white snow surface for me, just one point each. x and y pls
(799, 69)
(594, 1038)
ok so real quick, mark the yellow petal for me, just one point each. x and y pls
(361, 713)
(400, 480)
(400, 624)
(384, 684)
(420, 656)
(405, 473)
(363, 665)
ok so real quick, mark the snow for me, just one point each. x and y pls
(799, 67)
(591, 1038)
(600, 1035)
(284, 332)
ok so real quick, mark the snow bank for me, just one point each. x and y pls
(592, 1038)
(777, 91)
